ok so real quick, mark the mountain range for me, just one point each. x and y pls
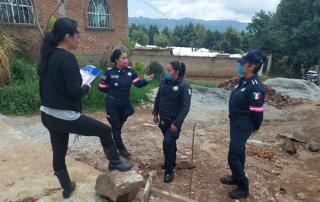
(219, 25)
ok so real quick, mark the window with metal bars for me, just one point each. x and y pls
(17, 11)
(99, 14)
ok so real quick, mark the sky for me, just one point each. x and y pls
(239, 10)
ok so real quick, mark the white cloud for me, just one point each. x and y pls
(140, 12)
(241, 10)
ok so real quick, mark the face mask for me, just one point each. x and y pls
(168, 76)
(125, 63)
(240, 69)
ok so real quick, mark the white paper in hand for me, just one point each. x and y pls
(89, 73)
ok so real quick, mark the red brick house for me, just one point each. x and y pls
(102, 23)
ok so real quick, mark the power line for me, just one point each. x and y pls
(156, 9)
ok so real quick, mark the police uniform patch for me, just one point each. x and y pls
(256, 96)
(116, 84)
(114, 76)
(175, 88)
(129, 74)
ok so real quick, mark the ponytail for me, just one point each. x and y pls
(177, 66)
(48, 44)
(61, 28)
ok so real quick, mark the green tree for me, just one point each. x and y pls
(161, 40)
(152, 31)
(233, 38)
(140, 36)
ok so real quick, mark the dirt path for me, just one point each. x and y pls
(274, 175)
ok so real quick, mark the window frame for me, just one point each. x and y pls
(108, 16)
(19, 5)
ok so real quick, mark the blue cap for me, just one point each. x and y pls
(252, 57)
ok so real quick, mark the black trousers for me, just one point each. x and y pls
(169, 143)
(118, 111)
(240, 131)
(59, 135)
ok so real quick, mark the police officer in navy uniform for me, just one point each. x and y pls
(246, 115)
(116, 82)
(172, 105)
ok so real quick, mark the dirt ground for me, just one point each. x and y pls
(274, 175)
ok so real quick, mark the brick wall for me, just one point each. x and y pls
(94, 42)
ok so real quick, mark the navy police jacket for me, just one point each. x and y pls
(246, 101)
(173, 100)
(117, 82)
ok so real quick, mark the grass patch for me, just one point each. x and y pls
(202, 83)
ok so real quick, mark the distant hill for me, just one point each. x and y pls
(220, 25)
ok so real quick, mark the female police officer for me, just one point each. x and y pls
(246, 115)
(61, 91)
(172, 104)
(117, 82)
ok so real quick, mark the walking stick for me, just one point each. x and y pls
(191, 174)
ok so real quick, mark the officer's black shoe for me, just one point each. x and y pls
(168, 177)
(65, 182)
(239, 193)
(123, 151)
(227, 180)
(114, 160)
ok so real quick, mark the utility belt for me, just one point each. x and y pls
(166, 121)
(118, 99)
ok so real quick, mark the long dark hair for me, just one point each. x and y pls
(179, 66)
(116, 54)
(61, 28)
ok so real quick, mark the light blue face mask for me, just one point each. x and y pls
(240, 69)
(168, 76)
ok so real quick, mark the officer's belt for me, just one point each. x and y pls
(118, 99)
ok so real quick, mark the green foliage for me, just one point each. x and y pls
(139, 95)
(290, 35)
(23, 69)
(20, 98)
(157, 69)
(161, 40)
(141, 37)
(139, 67)
(129, 45)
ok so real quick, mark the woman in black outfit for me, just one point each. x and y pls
(61, 91)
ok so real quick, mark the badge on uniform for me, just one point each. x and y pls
(175, 88)
(256, 96)
(114, 76)
(129, 74)
(116, 84)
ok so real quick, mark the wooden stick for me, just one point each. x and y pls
(147, 190)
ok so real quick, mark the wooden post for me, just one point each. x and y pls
(147, 189)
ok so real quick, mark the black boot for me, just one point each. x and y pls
(168, 177)
(228, 180)
(114, 160)
(65, 182)
(239, 193)
(123, 151)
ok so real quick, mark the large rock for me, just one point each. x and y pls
(119, 186)
(295, 88)
(313, 146)
(288, 146)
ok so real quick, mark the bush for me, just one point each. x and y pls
(139, 67)
(20, 98)
(157, 69)
(23, 69)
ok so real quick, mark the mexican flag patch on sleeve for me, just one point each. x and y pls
(256, 96)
